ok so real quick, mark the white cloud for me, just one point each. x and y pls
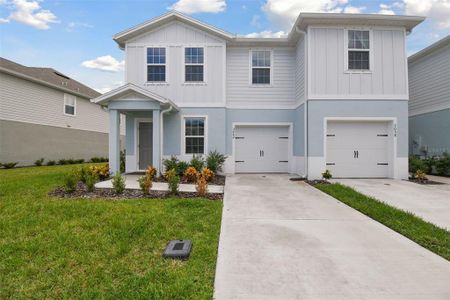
(284, 12)
(108, 88)
(255, 21)
(386, 9)
(437, 10)
(104, 63)
(266, 34)
(72, 26)
(199, 6)
(353, 9)
(29, 13)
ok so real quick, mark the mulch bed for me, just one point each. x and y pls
(81, 192)
(317, 181)
(217, 180)
(424, 182)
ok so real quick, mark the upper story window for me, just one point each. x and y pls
(261, 66)
(194, 135)
(358, 50)
(156, 64)
(193, 64)
(70, 102)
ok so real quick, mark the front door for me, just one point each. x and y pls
(145, 144)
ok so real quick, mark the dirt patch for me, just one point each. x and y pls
(424, 182)
(82, 192)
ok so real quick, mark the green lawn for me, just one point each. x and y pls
(79, 248)
(423, 233)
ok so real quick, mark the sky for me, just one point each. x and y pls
(75, 37)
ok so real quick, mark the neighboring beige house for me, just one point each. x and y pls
(46, 114)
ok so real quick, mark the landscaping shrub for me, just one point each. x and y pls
(171, 163)
(327, 175)
(118, 183)
(202, 186)
(122, 161)
(70, 181)
(84, 173)
(101, 170)
(215, 161)
(51, 163)
(420, 175)
(190, 174)
(197, 162)
(415, 163)
(207, 174)
(79, 161)
(9, 165)
(181, 167)
(173, 181)
(145, 183)
(443, 164)
(151, 172)
(90, 180)
(39, 162)
(62, 162)
(99, 159)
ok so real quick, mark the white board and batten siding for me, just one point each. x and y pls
(328, 75)
(429, 82)
(281, 93)
(25, 101)
(174, 37)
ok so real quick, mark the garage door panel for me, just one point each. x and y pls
(261, 149)
(358, 149)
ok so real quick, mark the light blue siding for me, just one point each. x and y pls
(431, 131)
(318, 110)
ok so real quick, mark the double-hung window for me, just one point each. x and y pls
(69, 104)
(193, 64)
(156, 64)
(261, 66)
(358, 50)
(194, 135)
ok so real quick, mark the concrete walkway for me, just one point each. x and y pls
(287, 240)
(430, 202)
(132, 184)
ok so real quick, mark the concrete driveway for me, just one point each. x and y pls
(287, 240)
(430, 202)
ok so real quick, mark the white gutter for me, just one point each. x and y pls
(161, 135)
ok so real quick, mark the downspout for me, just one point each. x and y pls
(161, 136)
(305, 89)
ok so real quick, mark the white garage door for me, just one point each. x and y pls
(358, 149)
(261, 149)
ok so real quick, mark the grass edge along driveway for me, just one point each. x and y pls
(85, 248)
(426, 234)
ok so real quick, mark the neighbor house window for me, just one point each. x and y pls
(358, 50)
(69, 104)
(194, 135)
(156, 64)
(193, 64)
(261, 64)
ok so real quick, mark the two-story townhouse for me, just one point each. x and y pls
(333, 95)
(46, 114)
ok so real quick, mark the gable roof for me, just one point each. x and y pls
(49, 77)
(131, 88)
(428, 50)
(302, 22)
(125, 35)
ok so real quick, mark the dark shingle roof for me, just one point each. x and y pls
(50, 76)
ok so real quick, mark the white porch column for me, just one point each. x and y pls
(114, 141)
(156, 138)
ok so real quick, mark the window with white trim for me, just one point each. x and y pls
(194, 135)
(358, 50)
(193, 64)
(156, 64)
(69, 104)
(261, 66)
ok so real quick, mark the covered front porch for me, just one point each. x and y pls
(144, 113)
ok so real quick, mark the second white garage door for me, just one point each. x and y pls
(260, 149)
(359, 149)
